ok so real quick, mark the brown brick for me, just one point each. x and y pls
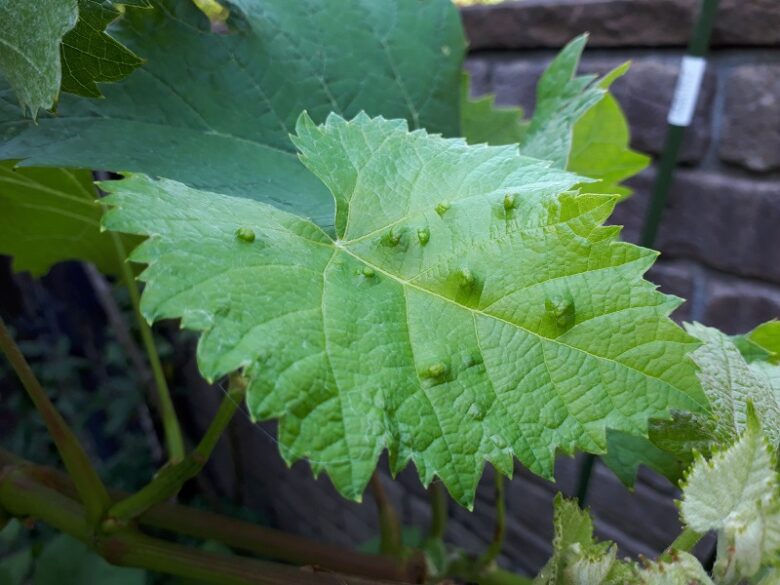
(736, 305)
(725, 222)
(751, 128)
(645, 92)
(617, 23)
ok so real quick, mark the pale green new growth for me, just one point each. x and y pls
(30, 48)
(730, 484)
(730, 383)
(578, 559)
(736, 493)
(684, 569)
(509, 331)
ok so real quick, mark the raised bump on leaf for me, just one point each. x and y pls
(466, 279)
(392, 238)
(476, 412)
(245, 234)
(437, 370)
(509, 202)
(561, 309)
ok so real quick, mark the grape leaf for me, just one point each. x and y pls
(470, 307)
(577, 124)
(30, 48)
(562, 98)
(578, 558)
(483, 122)
(736, 493)
(215, 111)
(625, 453)
(761, 344)
(600, 144)
(730, 384)
(683, 569)
(50, 215)
(734, 481)
(90, 55)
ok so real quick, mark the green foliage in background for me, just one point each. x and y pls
(51, 215)
(576, 124)
(30, 48)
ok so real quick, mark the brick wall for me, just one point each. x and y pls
(720, 242)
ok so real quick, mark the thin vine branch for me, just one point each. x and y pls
(499, 532)
(24, 496)
(241, 535)
(439, 510)
(389, 525)
(687, 539)
(88, 484)
(167, 483)
(174, 440)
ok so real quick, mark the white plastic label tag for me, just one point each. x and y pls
(687, 91)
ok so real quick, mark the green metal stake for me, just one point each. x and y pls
(680, 115)
(685, 96)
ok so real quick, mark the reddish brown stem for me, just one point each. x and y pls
(245, 536)
(21, 494)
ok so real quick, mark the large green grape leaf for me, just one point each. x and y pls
(90, 55)
(30, 48)
(470, 307)
(215, 111)
(50, 215)
(577, 124)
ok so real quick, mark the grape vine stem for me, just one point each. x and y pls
(167, 483)
(89, 486)
(174, 440)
